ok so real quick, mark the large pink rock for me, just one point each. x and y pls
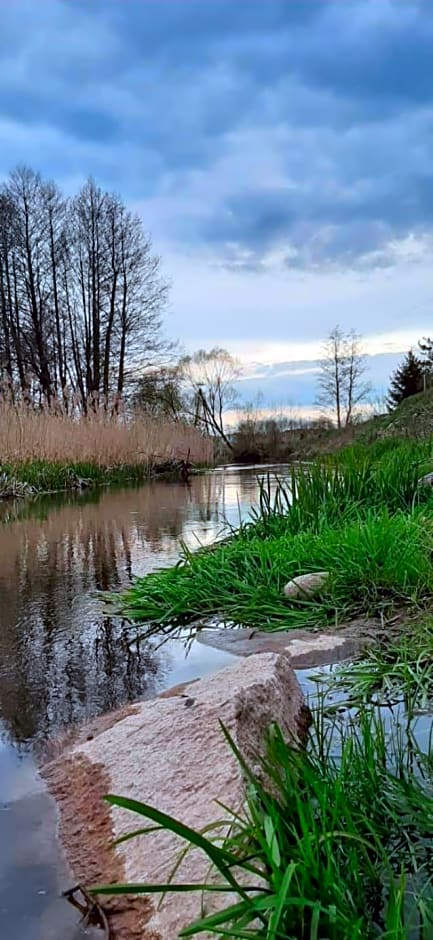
(170, 752)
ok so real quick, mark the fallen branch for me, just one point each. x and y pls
(92, 914)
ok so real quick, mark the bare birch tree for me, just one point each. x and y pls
(209, 377)
(342, 386)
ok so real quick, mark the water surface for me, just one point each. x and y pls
(63, 660)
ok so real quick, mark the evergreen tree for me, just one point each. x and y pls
(407, 380)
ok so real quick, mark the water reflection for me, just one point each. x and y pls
(61, 659)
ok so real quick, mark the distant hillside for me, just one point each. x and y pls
(413, 418)
(254, 444)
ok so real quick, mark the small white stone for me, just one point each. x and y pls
(426, 480)
(306, 585)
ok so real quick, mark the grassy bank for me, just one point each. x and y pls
(362, 516)
(274, 439)
(39, 476)
(336, 843)
(44, 451)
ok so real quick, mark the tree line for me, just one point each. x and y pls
(82, 298)
(202, 387)
(341, 384)
(81, 293)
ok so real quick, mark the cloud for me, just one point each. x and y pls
(265, 315)
(295, 383)
(305, 126)
(280, 152)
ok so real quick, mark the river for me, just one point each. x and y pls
(63, 660)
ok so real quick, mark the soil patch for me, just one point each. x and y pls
(85, 827)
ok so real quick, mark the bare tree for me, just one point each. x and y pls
(31, 277)
(209, 377)
(426, 348)
(342, 369)
(81, 293)
(119, 293)
(144, 295)
(9, 340)
(55, 214)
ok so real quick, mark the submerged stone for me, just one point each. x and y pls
(306, 648)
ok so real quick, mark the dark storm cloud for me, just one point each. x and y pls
(303, 128)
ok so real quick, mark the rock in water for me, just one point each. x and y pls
(306, 585)
(172, 754)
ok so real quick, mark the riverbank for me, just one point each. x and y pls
(277, 439)
(88, 663)
(263, 838)
(47, 451)
(334, 839)
(40, 478)
(363, 516)
(331, 841)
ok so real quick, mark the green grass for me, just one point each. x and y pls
(374, 563)
(398, 670)
(334, 842)
(344, 487)
(363, 517)
(44, 477)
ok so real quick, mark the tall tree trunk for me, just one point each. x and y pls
(44, 372)
(61, 358)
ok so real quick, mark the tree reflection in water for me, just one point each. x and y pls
(62, 660)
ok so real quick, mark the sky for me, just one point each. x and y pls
(279, 152)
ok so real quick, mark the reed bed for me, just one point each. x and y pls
(29, 435)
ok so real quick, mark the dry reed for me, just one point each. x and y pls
(27, 435)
